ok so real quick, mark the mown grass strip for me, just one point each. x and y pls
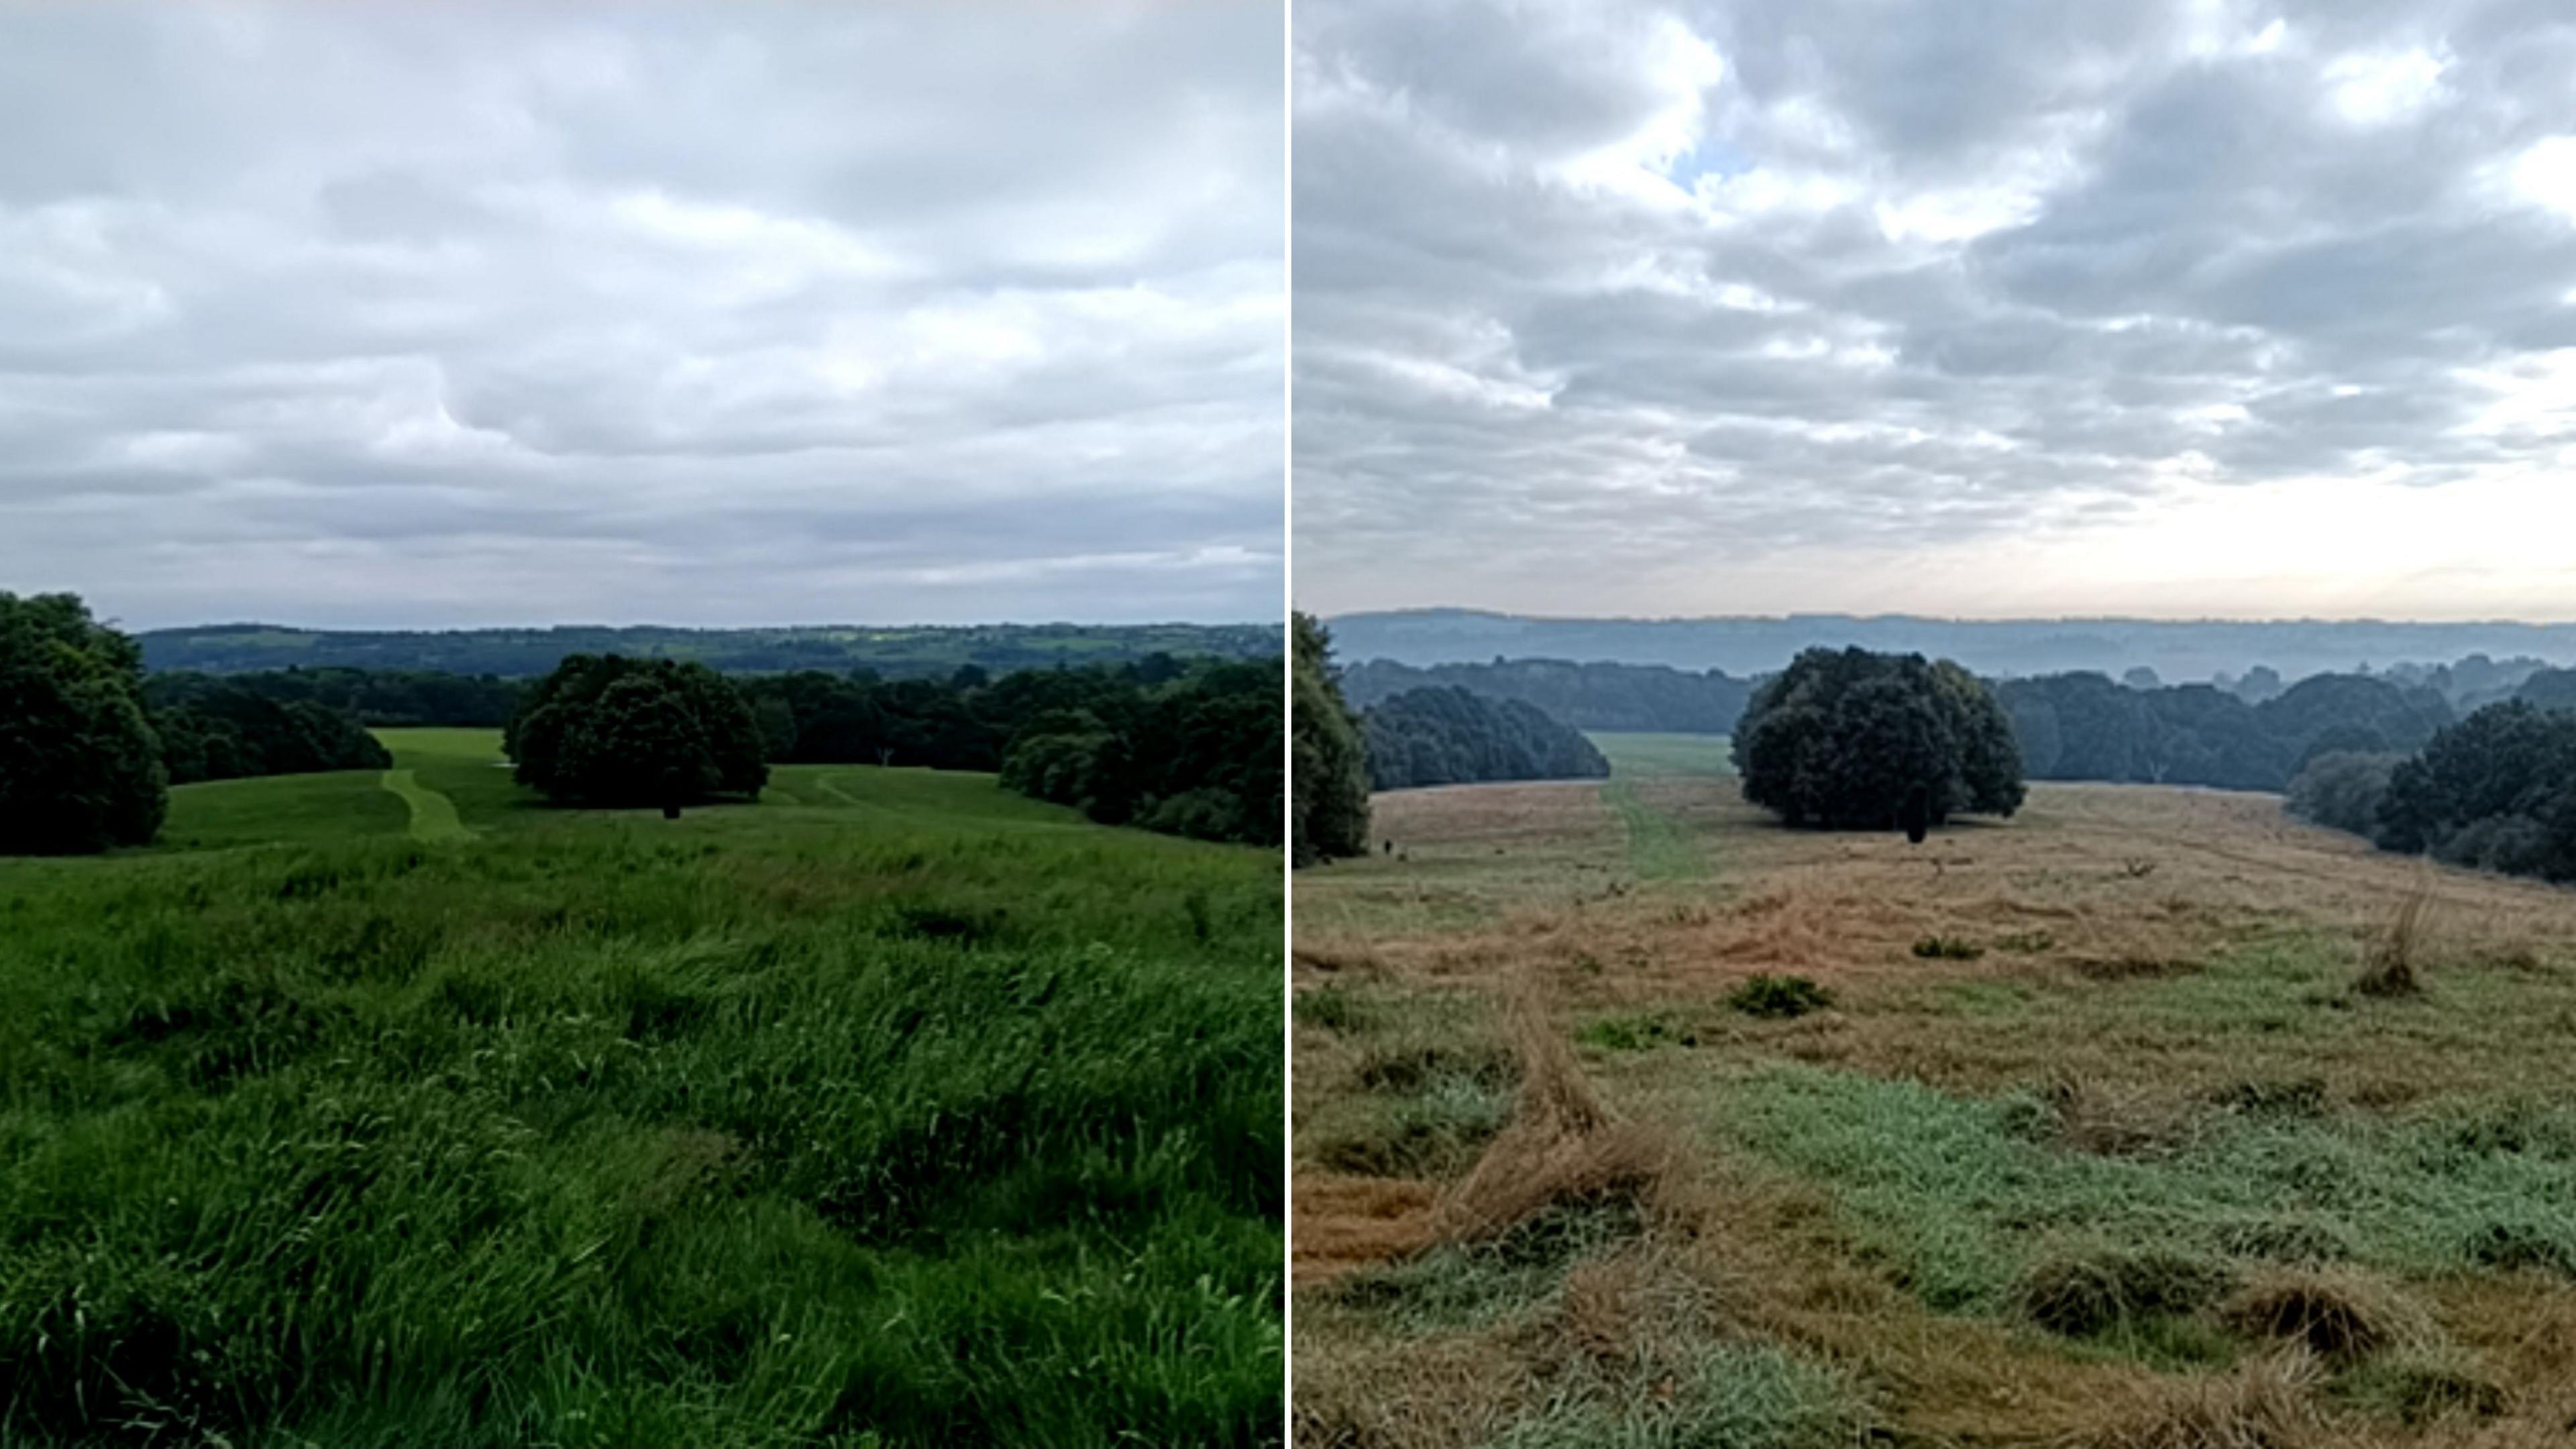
(1657, 848)
(433, 816)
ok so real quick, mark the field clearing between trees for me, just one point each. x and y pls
(2070, 1129)
(893, 1109)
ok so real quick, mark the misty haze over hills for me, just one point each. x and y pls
(2179, 651)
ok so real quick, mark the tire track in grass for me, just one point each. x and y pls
(433, 815)
(1657, 848)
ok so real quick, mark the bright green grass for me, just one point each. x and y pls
(1657, 847)
(933, 1119)
(1958, 1194)
(433, 816)
(1658, 755)
(343, 805)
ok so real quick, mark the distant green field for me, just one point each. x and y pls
(894, 1109)
(1647, 755)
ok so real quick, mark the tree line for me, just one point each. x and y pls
(1640, 698)
(2086, 726)
(1182, 747)
(1446, 735)
(2496, 791)
(377, 698)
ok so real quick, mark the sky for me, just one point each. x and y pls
(2018, 308)
(405, 315)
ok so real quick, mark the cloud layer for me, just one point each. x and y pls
(1779, 305)
(415, 315)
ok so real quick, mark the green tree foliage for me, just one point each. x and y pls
(2497, 791)
(1197, 755)
(1188, 747)
(1854, 740)
(1328, 816)
(2086, 726)
(1445, 735)
(393, 698)
(609, 731)
(2342, 790)
(215, 729)
(1654, 698)
(80, 768)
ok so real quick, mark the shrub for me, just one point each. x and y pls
(2342, 791)
(1947, 948)
(1779, 997)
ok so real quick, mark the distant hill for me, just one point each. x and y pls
(527, 653)
(2178, 651)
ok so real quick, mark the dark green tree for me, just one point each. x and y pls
(608, 731)
(1857, 740)
(80, 768)
(1329, 765)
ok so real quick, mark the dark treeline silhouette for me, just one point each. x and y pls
(1643, 698)
(80, 768)
(380, 698)
(1849, 739)
(2086, 726)
(213, 729)
(2178, 650)
(530, 653)
(1329, 813)
(2496, 791)
(1445, 735)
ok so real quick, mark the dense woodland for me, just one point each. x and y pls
(1445, 735)
(1647, 698)
(213, 729)
(2497, 791)
(2086, 726)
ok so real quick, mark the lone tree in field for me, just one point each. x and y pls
(609, 731)
(1328, 810)
(1853, 740)
(80, 768)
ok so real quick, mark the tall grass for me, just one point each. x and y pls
(770, 1126)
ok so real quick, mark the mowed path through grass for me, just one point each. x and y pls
(901, 1112)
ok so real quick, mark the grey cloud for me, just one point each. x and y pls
(688, 312)
(1606, 307)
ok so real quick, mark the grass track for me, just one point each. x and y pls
(1658, 847)
(433, 816)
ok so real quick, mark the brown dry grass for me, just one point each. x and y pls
(1521, 895)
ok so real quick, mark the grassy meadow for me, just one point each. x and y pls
(398, 1109)
(2148, 1119)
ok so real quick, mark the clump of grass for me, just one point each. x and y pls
(1778, 997)
(1735, 1396)
(1329, 1008)
(2336, 1314)
(2420, 1387)
(2292, 1097)
(2388, 969)
(2264, 1404)
(2094, 1292)
(1638, 1031)
(1947, 948)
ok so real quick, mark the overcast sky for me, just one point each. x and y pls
(2005, 308)
(716, 313)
